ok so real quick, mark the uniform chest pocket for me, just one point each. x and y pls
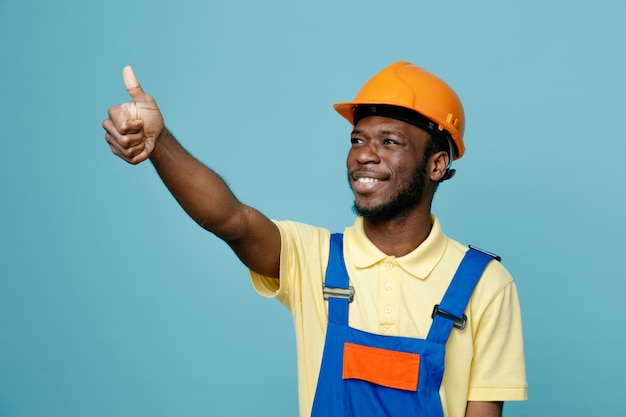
(387, 368)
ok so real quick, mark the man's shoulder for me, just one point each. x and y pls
(293, 226)
(301, 235)
(496, 276)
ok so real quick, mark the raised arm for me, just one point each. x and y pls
(135, 131)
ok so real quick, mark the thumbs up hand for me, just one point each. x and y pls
(133, 128)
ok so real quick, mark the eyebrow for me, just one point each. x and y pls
(382, 132)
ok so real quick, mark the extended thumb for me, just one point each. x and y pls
(132, 85)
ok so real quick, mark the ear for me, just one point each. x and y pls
(438, 166)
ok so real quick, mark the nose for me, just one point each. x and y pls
(366, 154)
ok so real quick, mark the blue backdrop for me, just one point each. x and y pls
(114, 303)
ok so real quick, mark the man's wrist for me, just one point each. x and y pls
(160, 143)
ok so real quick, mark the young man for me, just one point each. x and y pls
(392, 318)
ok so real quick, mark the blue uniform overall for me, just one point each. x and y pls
(369, 375)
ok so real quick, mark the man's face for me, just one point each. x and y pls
(386, 168)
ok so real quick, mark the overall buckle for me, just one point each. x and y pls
(459, 322)
(338, 292)
(493, 255)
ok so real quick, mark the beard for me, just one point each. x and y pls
(406, 198)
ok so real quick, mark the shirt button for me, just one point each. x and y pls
(389, 286)
(387, 309)
(389, 265)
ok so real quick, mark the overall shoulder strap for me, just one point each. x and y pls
(449, 313)
(336, 283)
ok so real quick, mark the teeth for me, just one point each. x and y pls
(367, 180)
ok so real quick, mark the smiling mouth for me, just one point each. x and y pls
(368, 177)
(367, 180)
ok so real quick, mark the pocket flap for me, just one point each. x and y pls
(388, 368)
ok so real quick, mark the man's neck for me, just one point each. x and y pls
(401, 235)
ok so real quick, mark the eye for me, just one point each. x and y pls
(355, 141)
(389, 142)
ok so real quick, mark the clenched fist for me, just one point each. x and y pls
(133, 128)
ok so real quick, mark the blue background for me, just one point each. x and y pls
(114, 303)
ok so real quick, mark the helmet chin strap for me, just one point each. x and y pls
(449, 174)
(449, 171)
